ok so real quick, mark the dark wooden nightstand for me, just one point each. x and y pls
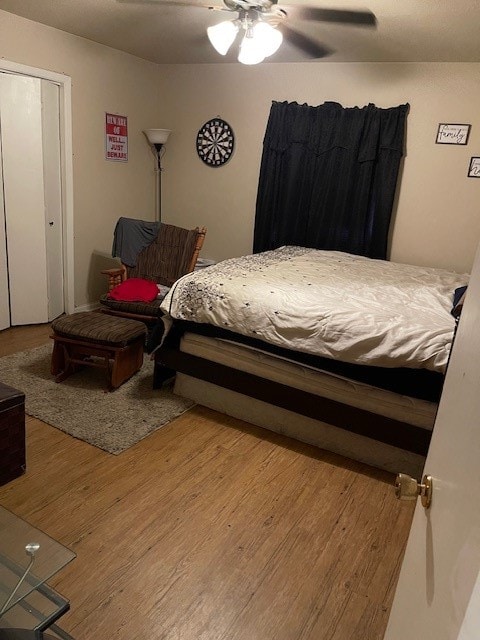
(12, 433)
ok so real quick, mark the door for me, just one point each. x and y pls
(438, 593)
(30, 145)
(4, 294)
(53, 197)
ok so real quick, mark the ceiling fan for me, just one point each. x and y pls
(262, 25)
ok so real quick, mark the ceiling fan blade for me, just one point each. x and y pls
(310, 47)
(174, 3)
(340, 16)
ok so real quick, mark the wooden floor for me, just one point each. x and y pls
(212, 529)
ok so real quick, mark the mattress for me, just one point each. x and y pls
(414, 411)
(327, 303)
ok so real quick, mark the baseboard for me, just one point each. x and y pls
(91, 306)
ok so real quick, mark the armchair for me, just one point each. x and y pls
(172, 254)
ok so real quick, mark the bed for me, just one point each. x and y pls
(342, 351)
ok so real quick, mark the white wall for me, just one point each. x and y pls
(103, 80)
(438, 219)
(437, 222)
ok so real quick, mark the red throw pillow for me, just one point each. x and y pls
(135, 290)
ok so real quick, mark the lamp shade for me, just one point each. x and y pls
(270, 38)
(251, 49)
(157, 136)
(222, 35)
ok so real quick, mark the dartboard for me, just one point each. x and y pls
(215, 142)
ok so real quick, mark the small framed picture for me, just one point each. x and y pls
(453, 133)
(474, 168)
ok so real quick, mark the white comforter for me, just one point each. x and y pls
(327, 303)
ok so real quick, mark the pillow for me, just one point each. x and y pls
(135, 290)
(458, 299)
(162, 291)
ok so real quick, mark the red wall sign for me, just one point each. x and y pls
(116, 138)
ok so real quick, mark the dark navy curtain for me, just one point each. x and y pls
(328, 177)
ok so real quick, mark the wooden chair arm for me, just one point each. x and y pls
(201, 233)
(115, 276)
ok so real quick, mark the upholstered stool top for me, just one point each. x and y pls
(99, 328)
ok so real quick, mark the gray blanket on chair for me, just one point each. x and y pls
(130, 237)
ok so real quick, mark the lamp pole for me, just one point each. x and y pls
(157, 139)
(158, 191)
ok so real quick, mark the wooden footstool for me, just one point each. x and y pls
(97, 340)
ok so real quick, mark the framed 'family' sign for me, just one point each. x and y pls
(474, 168)
(453, 133)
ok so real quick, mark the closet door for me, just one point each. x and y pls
(53, 197)
(4, 296)
(23, 180)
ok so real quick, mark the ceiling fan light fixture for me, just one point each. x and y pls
(251, 49)
(271, 38)
(222, 35)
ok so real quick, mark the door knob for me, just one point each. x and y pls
(407, 488)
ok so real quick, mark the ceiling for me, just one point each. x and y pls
(407, 31)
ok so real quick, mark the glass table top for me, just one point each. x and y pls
(26, 550)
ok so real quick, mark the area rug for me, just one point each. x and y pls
(79, 406)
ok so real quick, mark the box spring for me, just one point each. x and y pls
(376, 426)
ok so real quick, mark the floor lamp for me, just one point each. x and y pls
(157, 139)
